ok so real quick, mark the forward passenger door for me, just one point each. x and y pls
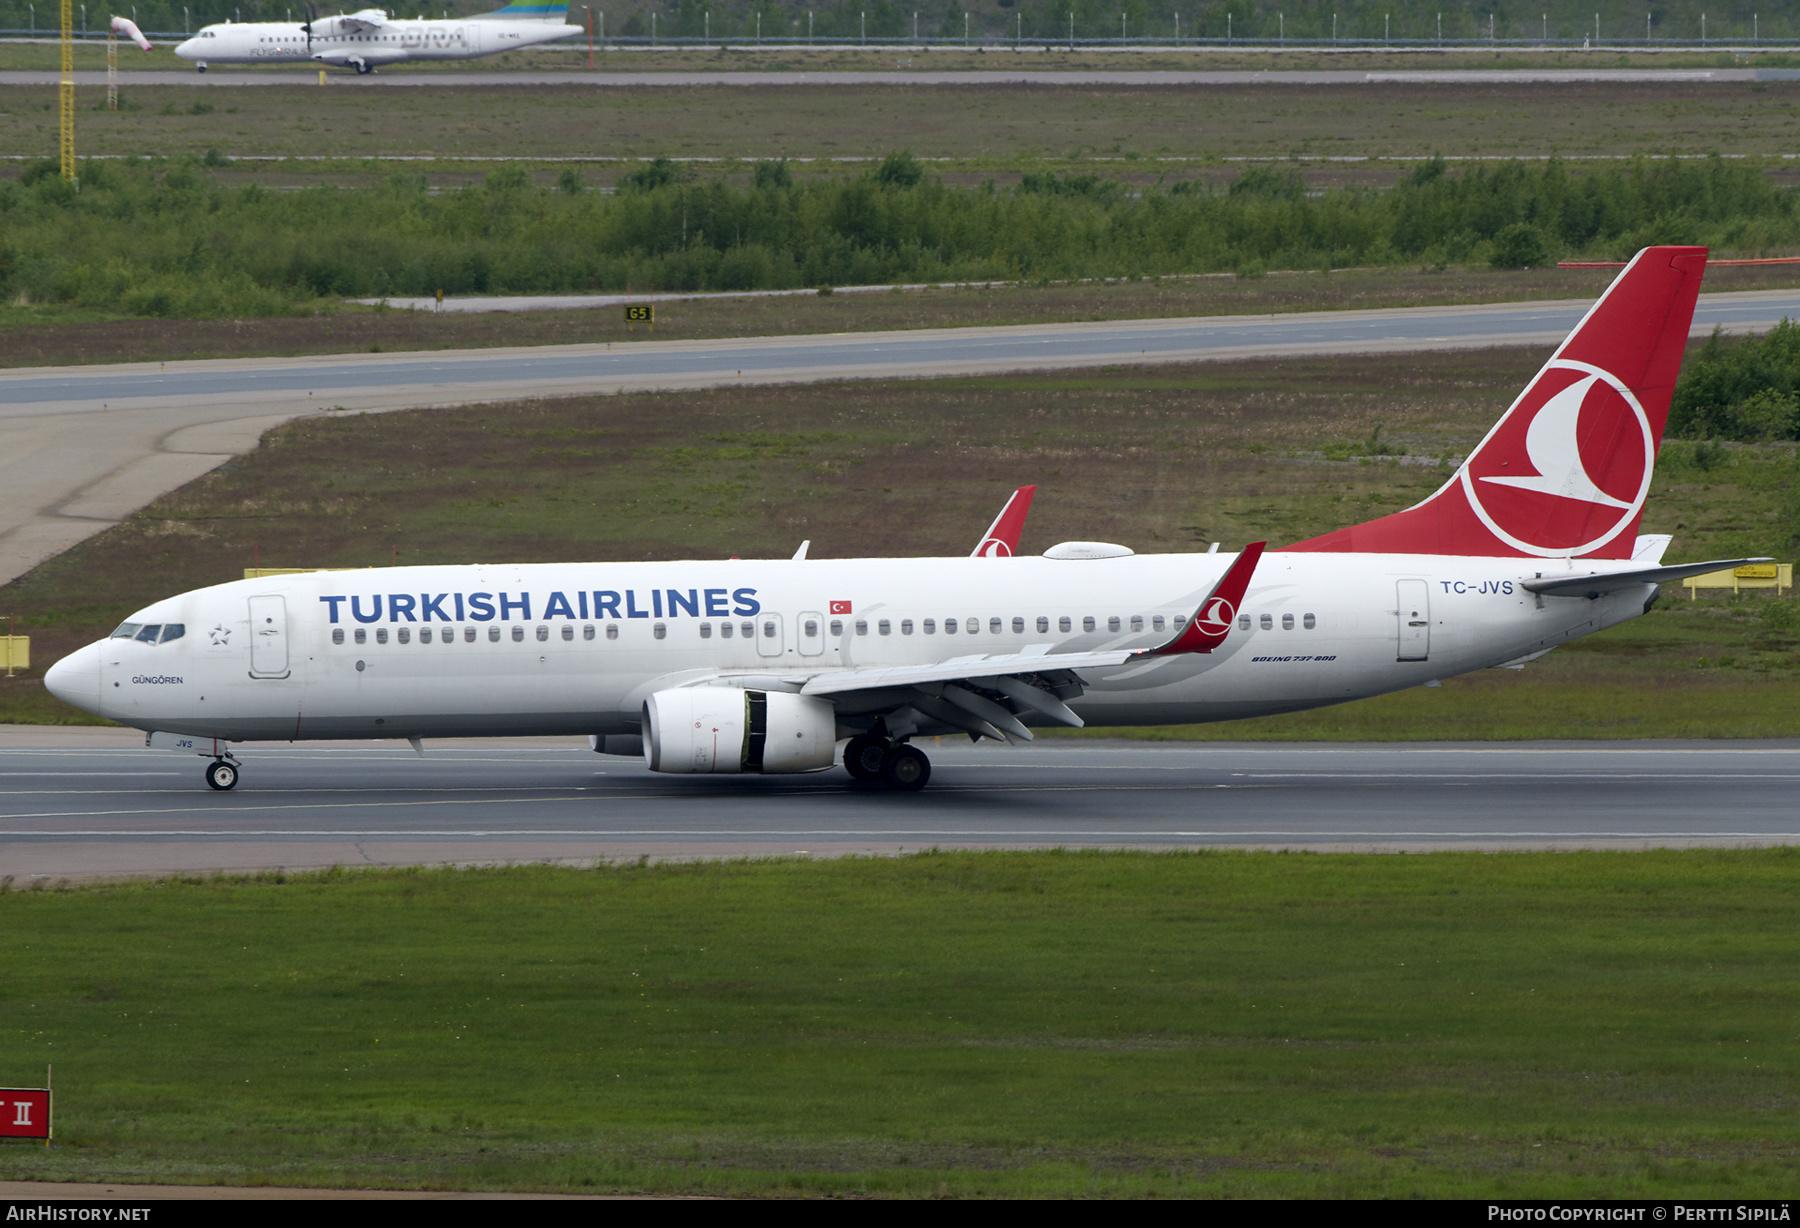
(268, 637)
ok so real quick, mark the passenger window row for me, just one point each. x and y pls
(747, 629)
(447, 635)
(1267, 622)
(970, 626)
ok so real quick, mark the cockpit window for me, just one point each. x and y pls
(149, 633)
(173, 631)
(127, 631)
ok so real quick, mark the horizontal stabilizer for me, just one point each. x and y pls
(1601, 583)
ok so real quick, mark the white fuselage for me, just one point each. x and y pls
(393, 42)
(577, 648)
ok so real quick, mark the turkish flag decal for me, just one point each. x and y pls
(840, 607)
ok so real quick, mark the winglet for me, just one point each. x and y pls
(1207, 629)
(1001, 541)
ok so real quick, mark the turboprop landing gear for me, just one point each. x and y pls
(200, 68)
(222, 774)
(905, 769)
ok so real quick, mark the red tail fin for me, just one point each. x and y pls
(1565, 472)
(1001, 541)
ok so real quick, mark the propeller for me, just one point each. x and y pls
(312, 15)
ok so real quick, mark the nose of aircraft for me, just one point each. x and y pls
(188, 50)
(76, 679)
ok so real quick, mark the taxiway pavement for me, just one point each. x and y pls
(82, 447)
(77, 804)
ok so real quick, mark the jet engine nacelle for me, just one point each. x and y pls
(729, 729)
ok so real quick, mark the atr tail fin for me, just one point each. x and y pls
(531, 12)
(1565, 471)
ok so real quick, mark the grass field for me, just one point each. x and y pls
(1568, 1025)
(983, 128)
(571, 57)
(1161, 459)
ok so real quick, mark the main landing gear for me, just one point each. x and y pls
(899, 767)
(222, 774)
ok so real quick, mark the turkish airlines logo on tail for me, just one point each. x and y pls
(1568, 468)
(1215, 617)
(992, 548)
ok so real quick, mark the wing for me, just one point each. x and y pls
(986, 695)
(1001, 541)
(1598, 584)
(362, 21)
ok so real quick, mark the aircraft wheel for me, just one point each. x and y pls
(222, 775)
(863, 756)
(199, 68)
(905, 769)
(363, 70)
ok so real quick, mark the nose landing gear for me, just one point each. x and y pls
(901, 768)
(222, 774)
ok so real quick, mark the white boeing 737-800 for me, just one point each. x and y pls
(746, 665)
(368, 39)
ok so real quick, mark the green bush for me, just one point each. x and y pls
(159, 237)
(1520, 246)
(1746, 390)
(774, 174)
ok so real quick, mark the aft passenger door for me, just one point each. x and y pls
(1414, 620)
(268, 637)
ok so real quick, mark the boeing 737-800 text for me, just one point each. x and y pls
(368, 39)
(746, 665)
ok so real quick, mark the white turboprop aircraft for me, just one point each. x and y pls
(368, 39)
(765, 666)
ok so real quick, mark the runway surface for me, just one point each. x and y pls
(987, 77)
(113, 808)
(82, 447)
